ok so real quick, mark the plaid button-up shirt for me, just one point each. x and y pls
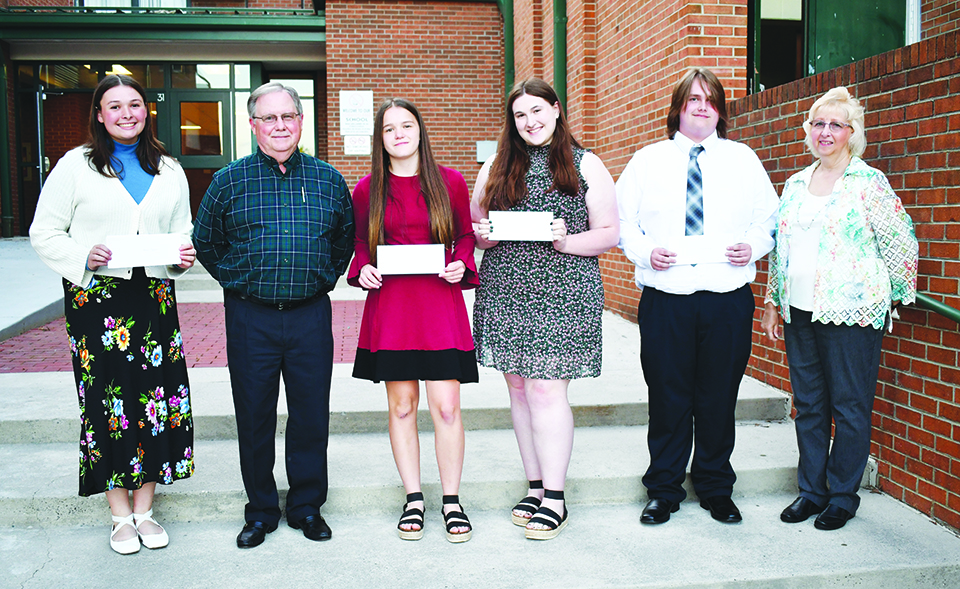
(278, 237)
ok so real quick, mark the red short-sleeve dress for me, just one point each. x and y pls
(415, 327)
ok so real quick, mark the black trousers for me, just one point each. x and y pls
(833, 374)
(264, 344)
(693, 350)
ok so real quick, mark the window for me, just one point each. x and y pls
(791, 39)
(308, 138)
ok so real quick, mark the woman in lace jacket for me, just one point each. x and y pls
(846, 255)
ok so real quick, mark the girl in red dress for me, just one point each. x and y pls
(415, 327)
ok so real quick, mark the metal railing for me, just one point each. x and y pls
(146, 10)
(931, 304)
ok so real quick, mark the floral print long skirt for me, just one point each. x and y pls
(131, 375)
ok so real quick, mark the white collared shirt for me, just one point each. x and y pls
(738, 199)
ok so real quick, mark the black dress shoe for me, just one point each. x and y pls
(313, 526)
(832, 518)
(800, 510)
(722, 509)
(253, 534)
(658, 511)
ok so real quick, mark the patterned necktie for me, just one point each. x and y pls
(694, 224)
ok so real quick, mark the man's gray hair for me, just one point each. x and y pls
(269, 88)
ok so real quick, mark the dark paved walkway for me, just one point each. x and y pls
(45, 349)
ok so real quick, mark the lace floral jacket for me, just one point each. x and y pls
(868, 251)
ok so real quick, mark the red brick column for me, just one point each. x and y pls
(446, 57)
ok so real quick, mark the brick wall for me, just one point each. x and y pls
(320, 98)
(938, 17)
(913, 129)
(72, 115)
(528, 34)
(624, 59)
(446, 57)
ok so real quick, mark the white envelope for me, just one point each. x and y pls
(411, 259)
(132, 251)
(521, 226)
(702, 249)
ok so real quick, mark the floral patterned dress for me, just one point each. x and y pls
(537, 312)
(131, 375)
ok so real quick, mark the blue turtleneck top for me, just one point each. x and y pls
(134, 178)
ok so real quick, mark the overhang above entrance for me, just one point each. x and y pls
(294, 40)
(291, 55)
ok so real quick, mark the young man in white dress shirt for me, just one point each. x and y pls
(696, 212)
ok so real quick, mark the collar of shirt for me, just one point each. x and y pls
(684, 143)
(856, 167)
(291, 164)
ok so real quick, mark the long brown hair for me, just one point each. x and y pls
(432, 186)
(507, 184)
(711, 84)
(99, 147)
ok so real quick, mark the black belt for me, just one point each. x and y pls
(286, 306)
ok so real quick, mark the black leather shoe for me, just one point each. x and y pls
(313, 526)
(800, 510)
(832, 518)
(658, 511)
(253, 534)
(722, 509)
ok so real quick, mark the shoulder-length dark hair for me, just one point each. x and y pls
(100, 145)
(432, 186)
(507, 185)
(711, 84)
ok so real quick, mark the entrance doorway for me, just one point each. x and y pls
(199, 111)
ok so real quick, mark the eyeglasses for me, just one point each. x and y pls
(288, 117)
(834, 125)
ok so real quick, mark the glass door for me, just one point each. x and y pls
(198, 127)
(198, 123)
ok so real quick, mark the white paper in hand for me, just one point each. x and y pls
(411, 259)
(521, 226)
(702, 249)
(133, 251)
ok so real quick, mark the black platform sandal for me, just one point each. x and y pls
(413, 517)
(456, 519)
(549, 518)
(528, 504)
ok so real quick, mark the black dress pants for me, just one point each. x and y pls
(693, 351)
(263, 345)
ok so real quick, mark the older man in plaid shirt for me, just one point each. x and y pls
(275, 229)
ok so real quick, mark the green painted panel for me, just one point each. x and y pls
(844, 31)
(164, 35)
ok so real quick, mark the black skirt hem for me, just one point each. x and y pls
(389, 365)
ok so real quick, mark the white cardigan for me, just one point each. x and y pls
(79, 207)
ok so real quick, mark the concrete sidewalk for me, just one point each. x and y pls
(50, 537)
(31, 294)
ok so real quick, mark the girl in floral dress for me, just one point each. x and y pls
(128, 360)
(537, 312)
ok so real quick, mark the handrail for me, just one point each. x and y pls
(931, 304)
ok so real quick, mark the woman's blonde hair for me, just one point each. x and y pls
(839, 98)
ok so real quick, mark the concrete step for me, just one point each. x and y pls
(606, 467)
(42, 407)
(887, 546)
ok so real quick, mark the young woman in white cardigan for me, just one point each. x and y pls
(128, 358)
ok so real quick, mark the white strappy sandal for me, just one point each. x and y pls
(151, 540)
(128, 546)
